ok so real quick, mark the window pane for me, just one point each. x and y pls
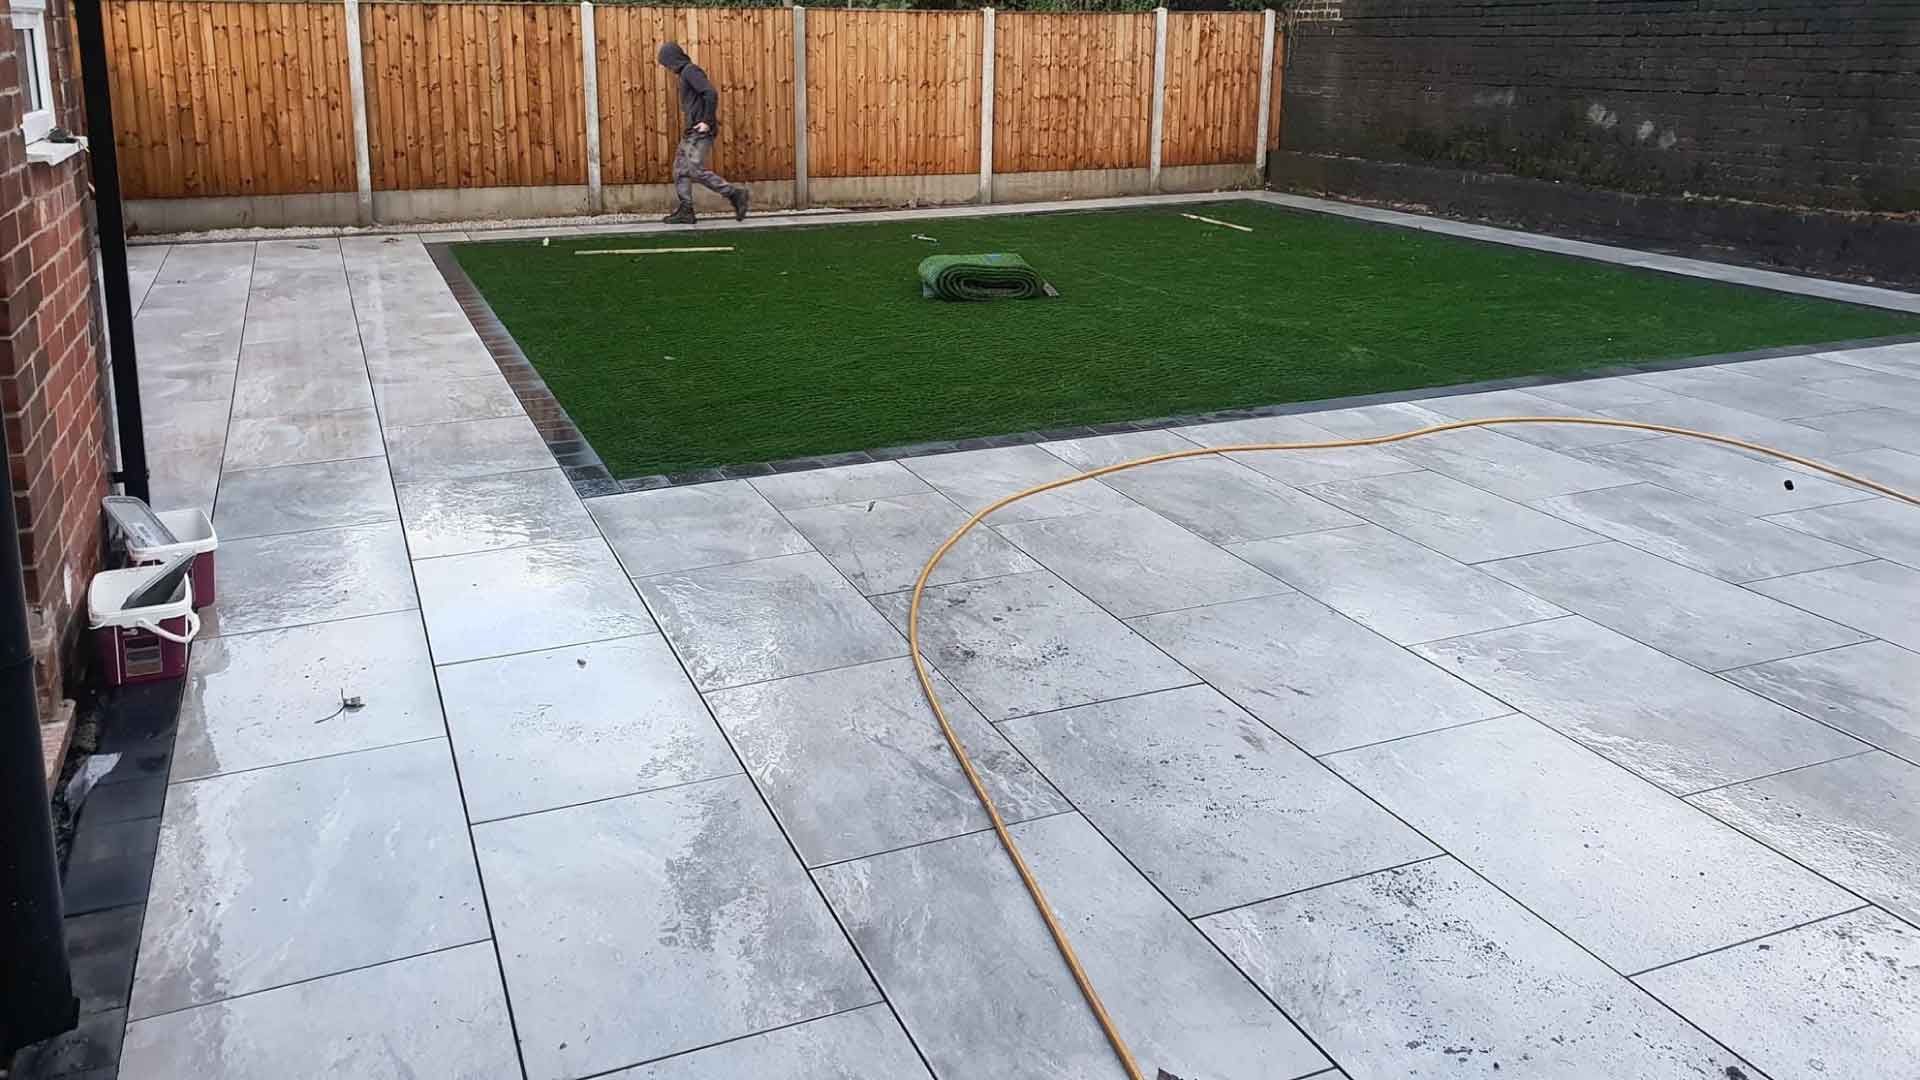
(26, 46)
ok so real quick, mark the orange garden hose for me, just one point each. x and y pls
(973, 776)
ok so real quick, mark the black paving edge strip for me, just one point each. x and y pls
(593, 478)
(576, 457)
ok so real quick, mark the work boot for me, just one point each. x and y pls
(739, 198)
(682, 215)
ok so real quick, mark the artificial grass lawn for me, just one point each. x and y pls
(815, 340)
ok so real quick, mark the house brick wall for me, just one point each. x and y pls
(1794, 102)
(52, 349)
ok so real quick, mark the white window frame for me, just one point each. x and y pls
(32, 15)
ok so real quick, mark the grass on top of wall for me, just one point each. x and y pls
(816, 340)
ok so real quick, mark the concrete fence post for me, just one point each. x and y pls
(986, 105)
(800, 199)
(1158, 126)
(1266, 97)
(590, 92)
(357, 90)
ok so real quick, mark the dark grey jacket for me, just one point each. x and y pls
(699, 101)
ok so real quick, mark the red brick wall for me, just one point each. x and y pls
(52, 346)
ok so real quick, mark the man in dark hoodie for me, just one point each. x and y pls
(700, 106)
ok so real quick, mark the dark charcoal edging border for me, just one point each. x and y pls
(581, 465)
(591, 477)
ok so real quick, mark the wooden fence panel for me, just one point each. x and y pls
(1213, 87)
(892, 93)
(221, 98)
(747, 52)
(469, 95)
(1072, 91)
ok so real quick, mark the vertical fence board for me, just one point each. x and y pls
(217, 98)
(1071, 91)
(1213, 87)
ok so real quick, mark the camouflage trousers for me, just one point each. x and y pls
(690, 167)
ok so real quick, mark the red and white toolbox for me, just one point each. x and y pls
(163, 536)
(143, 620)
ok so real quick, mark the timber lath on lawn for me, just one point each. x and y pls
(289, 112)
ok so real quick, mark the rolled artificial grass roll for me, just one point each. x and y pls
(997, 276)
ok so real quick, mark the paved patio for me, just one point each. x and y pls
(1557, 752)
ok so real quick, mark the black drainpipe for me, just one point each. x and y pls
(112, 229)
(36, 988)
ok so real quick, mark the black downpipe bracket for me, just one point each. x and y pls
(36, 987)
(112, 228)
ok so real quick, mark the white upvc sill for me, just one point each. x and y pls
(53, 153)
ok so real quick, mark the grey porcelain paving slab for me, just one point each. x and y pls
(1367, 421)
(295, 498)
(967, 963)
(1392, 585)
(863, 1044)
(1524, 403)
(1455, 519)
(1802, 369)
(1684, 613)
(881, 544)
(184, 478)
(1099, 451)
(1314, 676)
(1873, 389)
(480, 513)
(1897, 469)
(1428, 971)
(1667, 721)
(1886, 427)
(1880, 527)
(1212, 807)
(1028, 643)
(263, 391)
(1877, 597)
(767, 619)
(442, 1014)
(183, 425)
(694, 886)
(1721, 475)
(162, 388)
(844, 484)
(1297, 467)
(297, 578)
(299, 440)
(1620, 866)
(1901, 359)
(1837, 998)
(682, 528)
(546, 729)
(1728, 544)
(852, 762)
(1492, 461)
(466, 448)
(271, 876)
(1856, 820)
(1736, 388)
(976, 478)
(1135, 562)
(1794, 437)
(1224, 501)
(272, 697)
(1870, 690)
(437, 401)
(492, 603)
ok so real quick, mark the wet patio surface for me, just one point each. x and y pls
(1526, 753)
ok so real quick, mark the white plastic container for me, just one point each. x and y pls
(193, 535)
(141, 644)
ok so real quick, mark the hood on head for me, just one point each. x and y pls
(673, 57)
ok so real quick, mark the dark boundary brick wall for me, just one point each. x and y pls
(1798, 102)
